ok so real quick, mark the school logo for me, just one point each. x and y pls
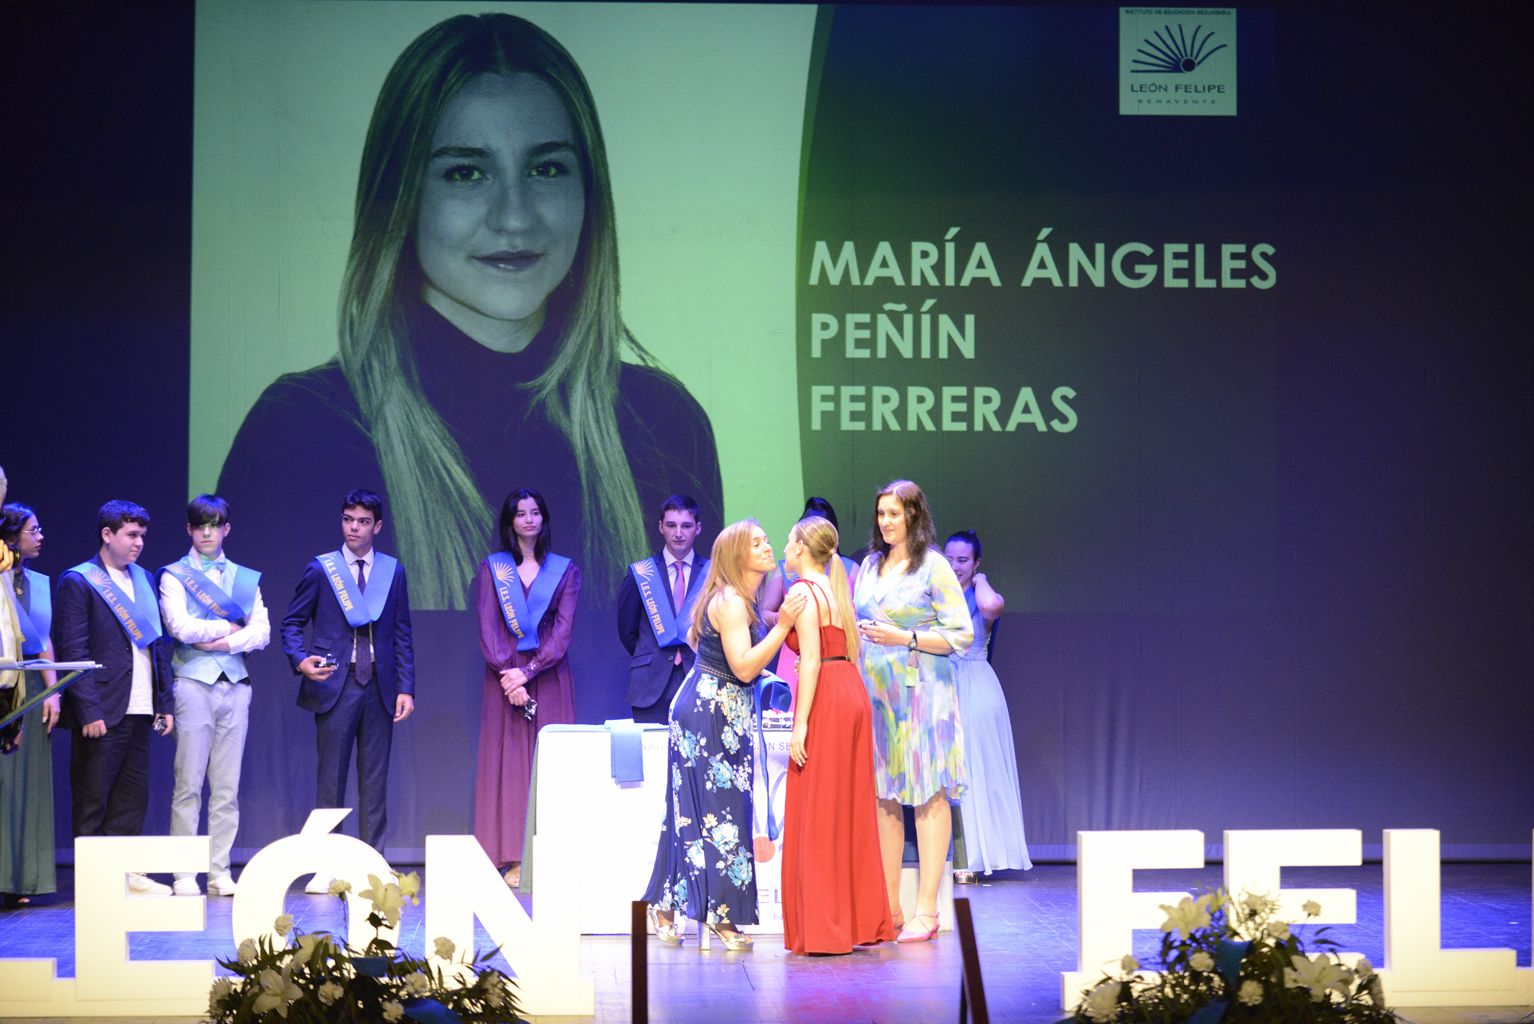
(1177, 60)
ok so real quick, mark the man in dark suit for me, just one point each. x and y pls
(654, 612)
(107, 611)
(358, 666)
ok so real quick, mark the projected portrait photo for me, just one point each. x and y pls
(480, 335)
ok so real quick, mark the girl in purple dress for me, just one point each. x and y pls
(525, 598)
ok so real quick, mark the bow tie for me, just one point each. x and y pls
(220, 564)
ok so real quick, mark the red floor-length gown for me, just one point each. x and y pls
(833, 879)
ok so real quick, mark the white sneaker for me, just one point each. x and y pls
(185, 887)
(222, 885)
(142, 885)
(319, 885)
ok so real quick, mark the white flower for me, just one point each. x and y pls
(1187, 917)
(284, 924)
(1363, 969)
(277, 991)
(1254, 903)
(410, 887)
(386, 899)
(339, 887)
(330, 992)
(222, 989)
(1102, 1002)
(1278, 931)
(313, 948)
(248, 951)
(444, 948)
(1311, 908)
(392, 1011)
(495, 991)
(1318, 975)
(1251, 992)
(1201, 961)
(1129, 964)
(417, 984)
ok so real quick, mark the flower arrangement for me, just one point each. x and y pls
(1229, 960)
(317, 979)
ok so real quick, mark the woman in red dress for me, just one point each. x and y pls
(527, 682)
(833, 879)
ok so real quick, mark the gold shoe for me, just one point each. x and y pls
(735, 940)
(667, 932)
(962, 877)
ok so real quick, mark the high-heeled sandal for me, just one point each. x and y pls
(735, 940)
(910, 933)
(666, 931)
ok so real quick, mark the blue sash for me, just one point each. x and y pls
(523, 612)
(232, 608)
(143, 628)
(358, 608)
(657, 608)
(969, 602)
(35, 620)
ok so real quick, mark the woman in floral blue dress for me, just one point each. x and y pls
(704, 865)
(912, 616)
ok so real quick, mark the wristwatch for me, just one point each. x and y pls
(912, 645)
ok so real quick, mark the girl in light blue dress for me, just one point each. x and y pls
(992, 804)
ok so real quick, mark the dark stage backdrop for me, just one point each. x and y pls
(1213, 322)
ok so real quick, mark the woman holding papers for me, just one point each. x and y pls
(26, 776)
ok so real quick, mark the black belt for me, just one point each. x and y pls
(837, 657)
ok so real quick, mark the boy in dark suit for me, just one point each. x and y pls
(108, 611)
(655, 612)
(358, 666)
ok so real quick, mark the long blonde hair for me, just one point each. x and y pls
(726, 569)
(820, 542)
(441, 520)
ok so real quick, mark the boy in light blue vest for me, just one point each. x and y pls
(213, 609)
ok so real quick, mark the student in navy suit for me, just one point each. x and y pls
(358, 665)
(656, 638)
(107, 611)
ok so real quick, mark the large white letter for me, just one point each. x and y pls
(464, 884)
(265, 880)
(1253, 858)
(1108, 909)
(105, 914)
(1421, 972)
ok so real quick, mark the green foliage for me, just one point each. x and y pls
(317, 979)
(1225, 960)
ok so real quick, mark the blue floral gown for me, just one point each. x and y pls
(704, 866)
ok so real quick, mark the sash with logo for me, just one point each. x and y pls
(359, 609)
(36, 615)
(523, 612)
(649, 577)
(139, 615)
(232, 607)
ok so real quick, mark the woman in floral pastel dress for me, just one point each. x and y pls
(912, 616)
(704, 866)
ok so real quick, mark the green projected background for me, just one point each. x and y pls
(702, 108)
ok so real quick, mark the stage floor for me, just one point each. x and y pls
(1026, 928)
